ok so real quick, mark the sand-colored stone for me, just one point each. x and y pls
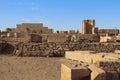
(97, 73)
(117, 51)
(88, 27)
(78, 55)
(89, 57)
(73, 72)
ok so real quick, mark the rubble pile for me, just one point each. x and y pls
(112, 69)
(58, 49)
(2, 45)
(97, 47)
(110, 65)
(38, 49)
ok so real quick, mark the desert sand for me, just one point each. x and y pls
(30, 68)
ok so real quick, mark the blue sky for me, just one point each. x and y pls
(60, 14)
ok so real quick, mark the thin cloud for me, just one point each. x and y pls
(35, 8)
(36, 20)
(30, 19)
(23, 19)
(24, 3)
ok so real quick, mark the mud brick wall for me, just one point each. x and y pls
(90, 37)
(33, 28)
(109, 31)
(57, 38)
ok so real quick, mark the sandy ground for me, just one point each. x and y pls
(30, 68)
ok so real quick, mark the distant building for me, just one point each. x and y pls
(88, 27)
(27, 32)
(110, 32)
(96, 30)
(25, 29)
(34, 28)
(118, 38)
(105, 38)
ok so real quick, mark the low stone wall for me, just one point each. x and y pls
(90, 56)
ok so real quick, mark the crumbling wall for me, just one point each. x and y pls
(39, 49)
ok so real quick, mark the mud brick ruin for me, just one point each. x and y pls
(29, 34)
(96, 52)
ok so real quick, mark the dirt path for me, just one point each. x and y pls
(29, 68)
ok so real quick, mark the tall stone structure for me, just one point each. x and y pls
(88, 27)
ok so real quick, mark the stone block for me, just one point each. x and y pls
(97, 73)
(73, 72)
(83, 56)
(117, 51)
(87, 56)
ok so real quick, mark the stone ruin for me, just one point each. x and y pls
(74, 71)
(56, 49)
(33, 35)
(100, 66)
(30, 39)
(39, 50)
(2, 45)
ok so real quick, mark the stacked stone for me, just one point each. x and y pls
(112, 69)
(58, 49)
(110, 65)
(39, 49)
(2, 45)
(94, 47)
